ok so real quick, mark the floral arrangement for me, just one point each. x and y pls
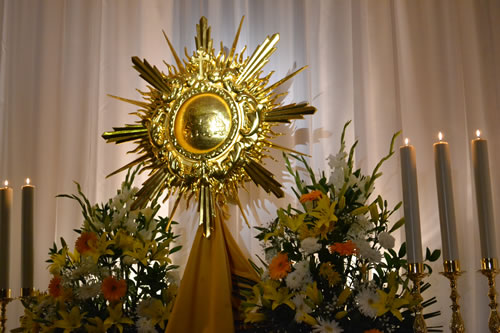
(118, 277)
(331, 265)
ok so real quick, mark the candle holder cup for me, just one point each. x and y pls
(28, 292)
(452, 272)
(416, 274)
(5, 298)
(489, 268)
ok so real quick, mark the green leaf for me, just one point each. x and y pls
(402, 250)
(397, 225)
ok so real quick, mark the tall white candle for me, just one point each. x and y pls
(410, 203)
(28, 196)
(5, 208)
(445, 200)
(484, 201)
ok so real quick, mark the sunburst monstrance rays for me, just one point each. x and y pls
(206, 124)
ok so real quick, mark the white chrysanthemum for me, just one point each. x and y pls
(310, 245)
(144, 325)
(365, 298)
(301, 308)
(293, 280)
(299, 278)
(326, 326)
(87, 291)
(359, 227)
(386, 240)
(367, 252)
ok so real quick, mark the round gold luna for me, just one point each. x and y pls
(203, 123)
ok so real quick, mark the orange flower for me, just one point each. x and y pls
(86, 242)
(113, 289)
(279, 267)
(311, 196)
(344, 249)
(55, 287)
(373, 330)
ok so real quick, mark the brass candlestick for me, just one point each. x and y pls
(416, 274)
(4, 300)
(489, 268)
(452, 272)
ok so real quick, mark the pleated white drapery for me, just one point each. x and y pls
(416, 66)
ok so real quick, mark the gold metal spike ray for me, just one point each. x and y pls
(205, 127)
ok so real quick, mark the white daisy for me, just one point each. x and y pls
(310, 245)
(386, 240)
(326, 326)
(365, 298)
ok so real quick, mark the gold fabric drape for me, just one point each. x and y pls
(205, 302)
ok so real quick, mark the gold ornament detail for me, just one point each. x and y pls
(206, 125)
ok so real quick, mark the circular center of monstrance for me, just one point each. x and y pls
(203, 123)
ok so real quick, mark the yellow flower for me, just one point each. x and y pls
(157, 312)
(58, 261)
(389, 302)
(277, 296)
(325, 214)
(313, 293)
(96, 325)
(326, 271)
(160, 253)
(293, 222)
(71, 320)
(116, 317)
(140, 251)
(124, 241)
(254, 317)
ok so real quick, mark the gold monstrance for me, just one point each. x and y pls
(206, 125)
(204, 128)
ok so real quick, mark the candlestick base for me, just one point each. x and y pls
(416, 274)
(452, 272)
(489, 268)
(4, 300)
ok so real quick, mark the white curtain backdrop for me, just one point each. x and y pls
(417, 66)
